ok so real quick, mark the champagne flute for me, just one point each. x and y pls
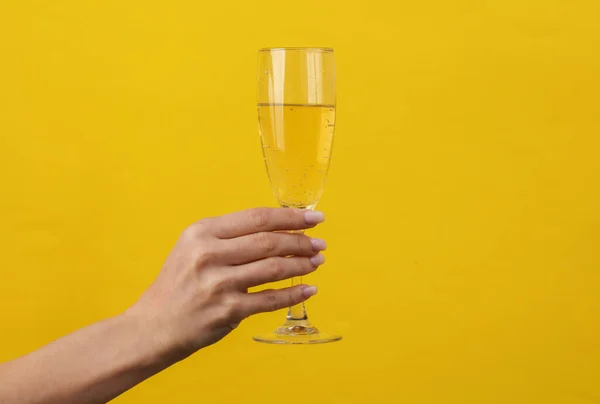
(296, 120)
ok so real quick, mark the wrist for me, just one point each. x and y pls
(154, 347)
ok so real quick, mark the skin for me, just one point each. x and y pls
(200, 296)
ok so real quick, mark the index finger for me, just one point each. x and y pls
(264, 219)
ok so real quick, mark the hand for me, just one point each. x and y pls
(201, 294)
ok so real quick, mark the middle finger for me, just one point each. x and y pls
(257, 246)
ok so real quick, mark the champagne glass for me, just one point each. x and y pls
(296, 120)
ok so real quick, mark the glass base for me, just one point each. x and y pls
(297, 332)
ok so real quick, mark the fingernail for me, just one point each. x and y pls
(309, 291)
(318, 244)
(317, 259)
(314, 217)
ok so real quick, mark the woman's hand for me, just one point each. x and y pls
(201, 294)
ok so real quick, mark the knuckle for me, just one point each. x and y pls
(228, 310)
(190, 232)
(291, 218)
(233, 308)
(218, 285)
(204, 257)
(272, 303)
(291, 300)
(304, 245)
(266, 241)
(277, 268)
(307, 266)
(259, 218)
(196, 230)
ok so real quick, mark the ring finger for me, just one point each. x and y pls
(275, 269)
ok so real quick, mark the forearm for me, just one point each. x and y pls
(92, 365)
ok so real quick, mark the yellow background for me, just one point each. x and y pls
(463, 202)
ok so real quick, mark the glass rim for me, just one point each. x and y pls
(297, 48)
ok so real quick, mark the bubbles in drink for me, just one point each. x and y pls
(303, 143)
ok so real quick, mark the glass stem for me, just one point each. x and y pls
(297, 312)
